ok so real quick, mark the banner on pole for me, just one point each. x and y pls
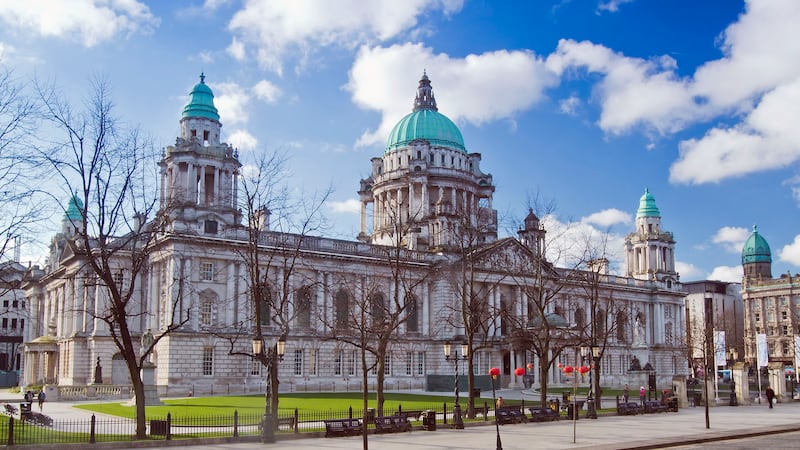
(719, 348)
(762, 352)
(796, 352)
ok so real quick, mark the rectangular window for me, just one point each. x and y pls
(298, 361)
(784, 315)
(313, 360)
(5, 303)
(337, 363)
(758, 317)
(351, 363)
(387, 364)
(22, 324)
(785, 329)
(255, 367)
(420, 363)
(207, 271)
(783, 301)
(409, 363)
(205, 313)
(14, 324)
(15, 304)
(785, 348)
(5, 322)
(119, 280)
(208, 361)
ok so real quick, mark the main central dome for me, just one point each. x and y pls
(425, 122)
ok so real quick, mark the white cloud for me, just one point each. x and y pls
(688, 271)
(236, 50)
(206, 57)
(570, 242)
(267, 91)
(569, 105)
(276, 28)
(612, 5)
(731, 274)
(460, 84)
(88, 21)
(731, 238)
(349, 206)
(243, 140)
(231, 100)
(756, 84)
(608, 217)
(791, 253)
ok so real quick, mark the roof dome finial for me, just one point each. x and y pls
(425, 98)
(647, 205)
(201, 101)
(202, 78)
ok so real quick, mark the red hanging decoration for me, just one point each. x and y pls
(530, 366)
(568, 369)
(583, 369)
(494, 372)
(519, 371)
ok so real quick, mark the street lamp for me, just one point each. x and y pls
(733, 355)
(270, 355)
(458, 421)
(574, 371)
(594, 391)
(494, 372)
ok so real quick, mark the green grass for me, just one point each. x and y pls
(254, 404)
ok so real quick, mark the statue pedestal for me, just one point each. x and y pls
(149, 381)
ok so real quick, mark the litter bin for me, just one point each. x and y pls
(572, 412)
(565, 395)
(158, 428)
(369, 417)
(429, 420)
(24, 410)
(527, 381)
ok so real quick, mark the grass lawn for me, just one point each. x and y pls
(254, 404)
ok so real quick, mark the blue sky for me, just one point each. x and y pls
(585, 102)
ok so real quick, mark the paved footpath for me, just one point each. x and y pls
(687, 427)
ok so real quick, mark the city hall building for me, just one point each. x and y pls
(429, 182)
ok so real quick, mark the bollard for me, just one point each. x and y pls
(235, 423)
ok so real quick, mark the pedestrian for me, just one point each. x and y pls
(42, 396)
(625, 393)
(770, 396)
(499, 402)
(641, 394)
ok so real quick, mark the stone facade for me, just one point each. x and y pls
(433, 187)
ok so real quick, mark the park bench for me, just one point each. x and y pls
(392, 424)
(10, 409)
(543, 414)
(287, 423)
(629, 409)
(510, 414)
(343, 427)
(411, 414)
(654, 406)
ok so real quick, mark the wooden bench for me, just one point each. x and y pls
(654, 406)
(543, 414)
(286, 422)
(392, 424)
(411, 414)
(510, 414)
(343, 427)
(629, 409)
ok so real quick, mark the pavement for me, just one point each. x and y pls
(684, 428)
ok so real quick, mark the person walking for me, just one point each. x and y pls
(641, 394)
(770, 396)
(625, 393)
(499, 402)
(41, 397)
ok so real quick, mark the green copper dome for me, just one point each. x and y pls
(756, 249)
(647, 206)
(201, 102)
(74, 208)
(425, 122)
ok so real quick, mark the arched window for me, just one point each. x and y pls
(622, 327)
(342, 309)
(412, 314)
(302, 307)
(580, 319)
(378, 308)
(600, 323)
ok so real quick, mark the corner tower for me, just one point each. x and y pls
(426, 192)
(199, 174)
(650, 251)
(756, 256)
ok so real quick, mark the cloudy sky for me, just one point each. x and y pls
(582, 102)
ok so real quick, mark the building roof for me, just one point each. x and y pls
(647, 205)
(425, 122)
(756, 249)
(74, 208)
(201, 102)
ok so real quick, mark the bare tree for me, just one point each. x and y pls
(108, 171)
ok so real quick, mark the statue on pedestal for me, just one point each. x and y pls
(147, 344)
(98, 372)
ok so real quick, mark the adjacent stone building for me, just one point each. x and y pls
(431, 210)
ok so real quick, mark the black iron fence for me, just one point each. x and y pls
(40, 429)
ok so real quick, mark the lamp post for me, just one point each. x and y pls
(574, 371)
(270, 354)
(494, 372)
(594, 388)
(733, 355)
(458, 421)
